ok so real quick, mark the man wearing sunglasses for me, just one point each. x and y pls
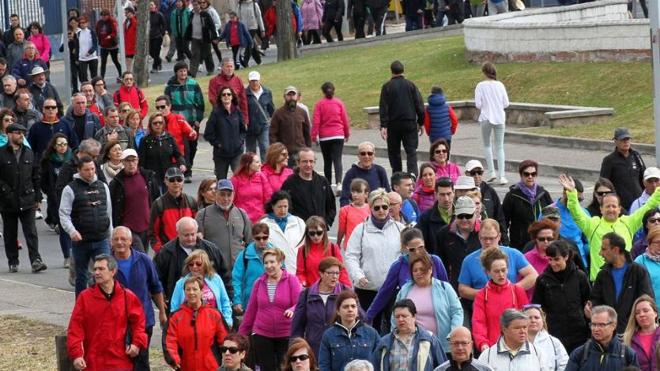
(365, 169)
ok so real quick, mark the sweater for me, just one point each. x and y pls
(251, 193)
(307, 267)
(276, 179)
(271, 321)
(491, 99)
(291, 128)
(330, 120)
(376, 176)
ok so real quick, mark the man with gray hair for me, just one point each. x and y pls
(604, 351)
(513, 350)
(9, 87)
(460, 343)
(365, 168)
(170, 259)
(359, 365)
(113, 130)
(79, 117)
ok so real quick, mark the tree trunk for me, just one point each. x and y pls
(285, 36)
(140, 62)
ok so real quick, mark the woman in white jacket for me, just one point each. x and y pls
(374, 245)
(286, 231)
(554, 353)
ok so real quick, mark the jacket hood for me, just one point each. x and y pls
(77, 176)
(436, 100)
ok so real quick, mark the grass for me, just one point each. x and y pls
(358, 74)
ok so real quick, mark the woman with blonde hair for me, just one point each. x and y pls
(214, 294)
(555, 356)
(642, 333)
(133, 124)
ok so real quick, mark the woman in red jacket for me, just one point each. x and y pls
(130, 36)
(491, 301)
(192, 331)
(251, 187)
(315, 247)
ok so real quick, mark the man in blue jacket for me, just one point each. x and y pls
(136, 272)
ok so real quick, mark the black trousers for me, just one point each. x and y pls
(92, 66)
(366, 297)
(252, 51)
(328, 26)
(200, 52)
(155, 45)
(74, 76)
(332, 151)
(141, 362)
(397, 136)
(182, 49)
(358, 22)
(269, 352)
(10, 234)
(114, 54)
(379, 19)
(191, 151)
(218, 53)
(311, 37)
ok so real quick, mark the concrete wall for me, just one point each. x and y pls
(592, 31)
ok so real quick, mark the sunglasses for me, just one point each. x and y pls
(195, 264)
(531, 306)
(315, 233)
(177, 179)
(476, 172)
(437, 151)
(61, 144)
(601, 194)
(261, 238)
(302, 357)
(50, 107)
(526, 174)
(226, 94)
(464, 216)
(157, 123)
(654, 220)
(366, 154)
(383, 207)
(545, 239)
(161, 107)
(126, 111)
(232, 350)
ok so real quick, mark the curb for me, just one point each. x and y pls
(572, 143)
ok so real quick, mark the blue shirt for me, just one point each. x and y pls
(473, 274)
(617, 276)
(125, 267)
(409, 212)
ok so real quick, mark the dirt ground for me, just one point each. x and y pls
(28, 345)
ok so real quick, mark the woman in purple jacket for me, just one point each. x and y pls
(273, 297)
(316, 305)
(412, 241)
(643, 334)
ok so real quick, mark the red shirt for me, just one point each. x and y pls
(307, 266)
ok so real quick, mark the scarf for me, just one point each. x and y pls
(379, 223)
(112, 169)
(281, 222)
(58, 159)
(655, 258)
(529, 192)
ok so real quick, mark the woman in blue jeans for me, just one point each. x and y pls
(491, 99)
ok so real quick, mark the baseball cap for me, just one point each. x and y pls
(224, 184)
(128, 152)
(621, 133)
(290, 89)
(15, 127)
(473, 164)
(464, 205)
(465, 183)
(551, 212)
(651, 172)
(254, 75)
(173, 172)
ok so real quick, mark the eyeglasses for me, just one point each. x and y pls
(61, 144)
(383, 207)
(261, 238)
(315, 233)
(599, 325)
(603, 193)
(366, 154)
(195, 264)
(161, 107)
(177, 179)
(332, 273)
(226, 94)
(545, 239)
(533, 174)
(476, 172)
(464, 216)
(437, 151)
(50, 107)
(232, 350)
(654, 220)
(302, 357)
(460, 343)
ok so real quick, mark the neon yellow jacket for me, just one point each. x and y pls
(595, 227)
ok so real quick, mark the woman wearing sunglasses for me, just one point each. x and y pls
(214, 294)
(650, 220)
(299, 357)
(249, 266)
(555, 357)
(158, 150)
(315, 247)
(602, 187)
(439, 158)
(234, 350)
(542, 234)
(225, 131)
(374, 245)
(524, 203)
(193, 330)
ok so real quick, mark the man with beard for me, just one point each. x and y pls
(290, 125)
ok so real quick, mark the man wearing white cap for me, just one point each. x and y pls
(651, 181)
(41, 89)
(464, 184)
(132, 191)
(490, 201)
(261, 108)
(290, 125)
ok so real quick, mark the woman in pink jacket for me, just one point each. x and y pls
(251, 187)
(491, 301)
(275, 169)
(40, 41)
(331, 127)
(424, 193)
(312, 13)
(274, 296)
(439, 157)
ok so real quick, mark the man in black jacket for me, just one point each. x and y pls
(169, 260)
(490, 200)
(624, 167)
(133, 190)
(621, 281)
(439, 215)
(201, 32)
(401, 111)
(20, 195)
(310, 192)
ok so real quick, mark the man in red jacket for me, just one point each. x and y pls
(129, 92)
(106, 328)
(227, 78)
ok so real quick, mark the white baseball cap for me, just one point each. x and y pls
(473, 164)
(651, 172)
(254, 75)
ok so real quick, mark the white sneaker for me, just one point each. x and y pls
(502, 181)
(492, 179)
(38, 215)
(338, 189)
(333, 186)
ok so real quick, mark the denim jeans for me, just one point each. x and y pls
(486, 130)
(251, 141)
(84, 252)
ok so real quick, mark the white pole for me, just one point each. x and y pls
(65, 56)
(654, 22)
(120, 26)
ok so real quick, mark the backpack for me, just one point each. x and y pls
(587, 348)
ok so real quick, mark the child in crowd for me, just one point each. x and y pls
(354, 213)
(440, 120)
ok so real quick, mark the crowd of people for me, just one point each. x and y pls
(430, 270)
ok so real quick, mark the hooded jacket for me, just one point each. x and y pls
(225, 131)
(251, 193)
(229, 230)
(107, 32)
(214, 282)
(179, 21)
(307, 267)
(330, 120)
(312, 13)
(130, 35)
(165, 212)
(423, 198)
(614, 357)
(520, 213)
(91, 122)
(276, 179)
(42, 43)
(440, 123)
(134, 96)
(23, 67)
(249, 12)
(248, 267)
(427, 352)
(159, 153)
(287, 240)
(453, 249)
(179, 129)
(259, 121)
(187, 99)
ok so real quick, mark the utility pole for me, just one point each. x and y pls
(65, 56)
(654, 22)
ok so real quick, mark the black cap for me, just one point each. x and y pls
(173, 172)
(15, 127)
(621, 133)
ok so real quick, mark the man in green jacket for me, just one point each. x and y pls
(612, 221)
(179, 20)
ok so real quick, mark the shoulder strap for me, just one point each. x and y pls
(585, 352)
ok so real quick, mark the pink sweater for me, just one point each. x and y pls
(43, 46)
(276, 179)
(330, 120)
(450, 170)
(251, 193)
(271, 321)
